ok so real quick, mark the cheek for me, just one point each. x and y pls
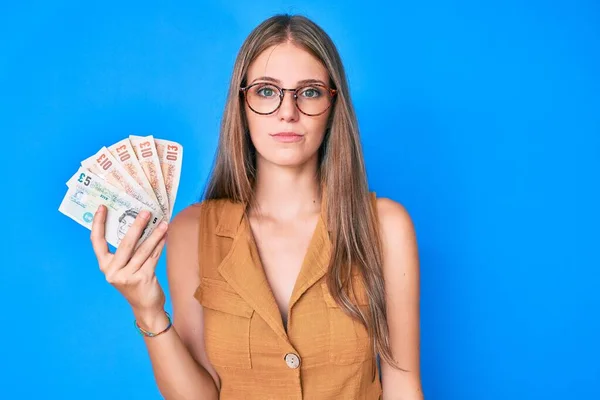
(258, 130)
(319, 124)
(256, 123)
(315, 127)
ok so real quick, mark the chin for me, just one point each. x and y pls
(287, 160)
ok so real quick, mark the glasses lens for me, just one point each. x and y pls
(263, 98)
(314, 99)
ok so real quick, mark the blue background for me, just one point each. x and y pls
(482, 118)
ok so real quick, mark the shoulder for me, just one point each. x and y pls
(185, 231)
(191, 217)
(394, 220)
(186, 217)
(398, 240)
(182, 235)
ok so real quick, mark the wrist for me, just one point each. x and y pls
(154, 320)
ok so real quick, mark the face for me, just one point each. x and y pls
(287, 66)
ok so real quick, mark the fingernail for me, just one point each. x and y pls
(163, 226)
(99, 209)
(145, 214)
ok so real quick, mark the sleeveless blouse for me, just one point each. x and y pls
(324, 354)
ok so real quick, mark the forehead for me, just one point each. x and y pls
(288, 63)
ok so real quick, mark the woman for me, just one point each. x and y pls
(289, 279)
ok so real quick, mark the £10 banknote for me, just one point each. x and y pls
(135, 174)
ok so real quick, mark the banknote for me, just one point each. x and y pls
(145, 150)
(104, 165)
(170, 155)
(87, 191)
(124, 153)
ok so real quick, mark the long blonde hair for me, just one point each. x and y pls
(351, 218)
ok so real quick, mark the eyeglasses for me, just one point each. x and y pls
(266, 98)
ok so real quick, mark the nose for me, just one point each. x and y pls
(288, 110)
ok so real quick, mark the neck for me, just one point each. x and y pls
(286, 193)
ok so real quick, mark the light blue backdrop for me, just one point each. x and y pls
(482, 118)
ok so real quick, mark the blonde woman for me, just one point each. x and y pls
(290, 280)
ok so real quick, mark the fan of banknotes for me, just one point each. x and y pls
(135, 174)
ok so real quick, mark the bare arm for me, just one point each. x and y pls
(178, 359)
(401, 272)
(180, 365)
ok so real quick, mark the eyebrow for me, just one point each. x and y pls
(302, 82)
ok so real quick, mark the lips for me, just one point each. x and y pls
(286, 134)
(287, 137)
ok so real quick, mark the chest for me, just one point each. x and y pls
(282, 249)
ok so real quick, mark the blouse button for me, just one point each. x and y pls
(292, 360)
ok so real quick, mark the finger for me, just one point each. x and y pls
(97, 236)
(149, 265)
(147, 248)
(127, 245)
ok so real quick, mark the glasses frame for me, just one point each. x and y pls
(330, 91)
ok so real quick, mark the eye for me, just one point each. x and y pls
(311, 92)
(266, 91)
